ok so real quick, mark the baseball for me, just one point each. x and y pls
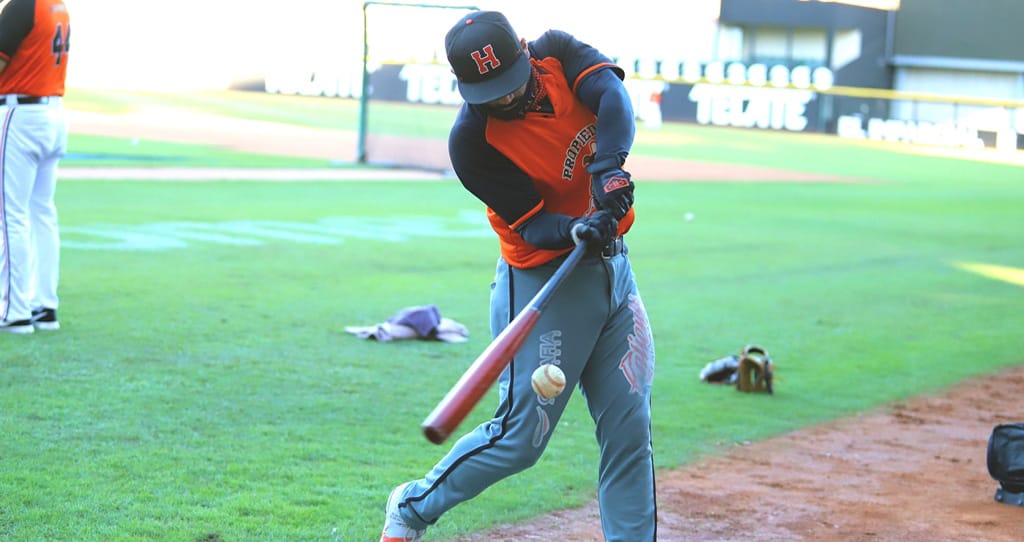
(688, 217)
(548, 381)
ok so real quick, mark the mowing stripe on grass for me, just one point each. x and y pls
(245, 174)
(325, 231)
(1012, 275)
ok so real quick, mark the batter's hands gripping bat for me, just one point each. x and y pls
(484, 372)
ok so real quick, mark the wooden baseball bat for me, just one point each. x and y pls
(487, 367)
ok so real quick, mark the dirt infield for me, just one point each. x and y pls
(274, 138)
(910, 472)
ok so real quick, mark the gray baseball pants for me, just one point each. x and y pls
(596, 330)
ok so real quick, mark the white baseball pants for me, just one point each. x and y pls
(33, 138)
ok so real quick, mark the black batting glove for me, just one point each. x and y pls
(596, 230)
(611, 187)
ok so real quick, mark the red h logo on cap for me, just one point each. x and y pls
(485, 59)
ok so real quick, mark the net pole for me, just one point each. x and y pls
(364, 95)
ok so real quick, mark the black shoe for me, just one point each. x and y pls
(45, 319)
(20, 327)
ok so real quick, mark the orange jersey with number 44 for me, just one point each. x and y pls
(36, 65)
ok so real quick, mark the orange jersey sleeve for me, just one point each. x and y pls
(37, 62)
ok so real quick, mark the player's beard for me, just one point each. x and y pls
(517, 109)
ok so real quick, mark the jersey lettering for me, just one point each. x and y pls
(578, 146)
(485, 59)
(61, 42)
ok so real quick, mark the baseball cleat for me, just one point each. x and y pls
(18, 327)
(45, 319)
(395, 529)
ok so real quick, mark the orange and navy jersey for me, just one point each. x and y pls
(34, 40)
(521, 167)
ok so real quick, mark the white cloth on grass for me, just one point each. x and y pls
(419, 322)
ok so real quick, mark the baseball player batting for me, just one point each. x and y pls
(34, 44)
(542, 140)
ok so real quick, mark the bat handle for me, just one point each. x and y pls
(543, 296)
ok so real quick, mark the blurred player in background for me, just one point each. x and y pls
(34, 44)
(542, 140)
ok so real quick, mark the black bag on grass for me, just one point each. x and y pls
(1006, 462)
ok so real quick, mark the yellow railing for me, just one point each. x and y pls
(862, 92)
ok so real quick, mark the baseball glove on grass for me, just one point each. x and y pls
(755, 372)
(721, 371)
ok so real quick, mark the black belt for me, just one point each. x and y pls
(28, 100)
(614, 248)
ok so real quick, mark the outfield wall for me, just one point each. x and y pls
(729, 94)
(779, 64)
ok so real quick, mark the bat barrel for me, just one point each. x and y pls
(487, 367)
(477, 379)
(437, 435)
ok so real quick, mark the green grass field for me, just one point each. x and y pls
(202, 387)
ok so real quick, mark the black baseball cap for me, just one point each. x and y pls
(486, 57)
